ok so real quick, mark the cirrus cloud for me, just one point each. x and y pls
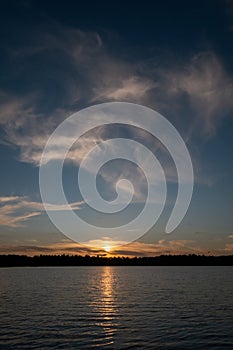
(14, 210)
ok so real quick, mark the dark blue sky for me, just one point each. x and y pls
(172, 56)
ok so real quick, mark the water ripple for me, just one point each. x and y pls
(116, 308)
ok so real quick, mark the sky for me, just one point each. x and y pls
(174, 57)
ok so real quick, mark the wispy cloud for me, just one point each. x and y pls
(131, 88)
(9, 199)
(14, 210)
(105, 247)
(229, 248)
(69, 247)
(92, 74)
(161, 247)
(208, 88)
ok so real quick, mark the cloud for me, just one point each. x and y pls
(203, 82)
(101, 247)
(229, 248)
(89, 74)
(208, 88)
(9, 199)
(14, 210)
(132, 88)
(106, 246)
(197, 93)
(13, 215)
(161, 247)
(116, 247)
(56, 248)
(104, 243)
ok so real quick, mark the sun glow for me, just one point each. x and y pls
(107, 248)
(105, 244)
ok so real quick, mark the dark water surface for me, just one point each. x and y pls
(116, 308)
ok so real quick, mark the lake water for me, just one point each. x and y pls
(116, 308)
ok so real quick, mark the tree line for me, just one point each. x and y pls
(12, 260)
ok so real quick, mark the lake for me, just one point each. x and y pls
(161, 307)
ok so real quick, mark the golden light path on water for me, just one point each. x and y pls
(104, 305)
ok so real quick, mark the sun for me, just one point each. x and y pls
(107, 248)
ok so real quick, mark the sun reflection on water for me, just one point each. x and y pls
(104, 304)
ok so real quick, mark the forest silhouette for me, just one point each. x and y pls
(13, 260)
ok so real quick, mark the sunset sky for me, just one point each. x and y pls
(172, 56)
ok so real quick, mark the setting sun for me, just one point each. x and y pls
(105, 244)
(107, 248)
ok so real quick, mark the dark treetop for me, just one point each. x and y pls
(78, 260)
